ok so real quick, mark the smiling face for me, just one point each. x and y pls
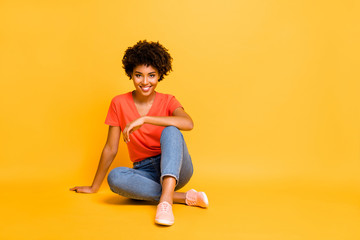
(145, 80)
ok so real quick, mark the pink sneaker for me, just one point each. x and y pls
(194, 198)
(164, 214)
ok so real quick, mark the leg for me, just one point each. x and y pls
(173, 165)
(176, 171)
(134, 183)
(179, 197)
(168, 187)
(176, 165)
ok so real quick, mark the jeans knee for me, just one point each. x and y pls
(114, 176)
(111, 177)
(170, 131)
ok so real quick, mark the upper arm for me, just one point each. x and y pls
(112, 141)
(180, 112)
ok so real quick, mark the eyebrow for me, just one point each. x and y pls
(142, 73)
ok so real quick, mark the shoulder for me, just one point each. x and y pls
(122, 98)
(165, 96)
(168, 101)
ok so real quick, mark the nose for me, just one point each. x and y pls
(145, 80)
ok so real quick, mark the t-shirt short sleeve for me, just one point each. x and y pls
(173, 104)
(112, 118)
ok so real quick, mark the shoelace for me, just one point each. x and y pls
(164, 207)
(191, 198)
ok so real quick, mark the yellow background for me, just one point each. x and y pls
(272, 86)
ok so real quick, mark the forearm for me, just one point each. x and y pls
(182, 123)
(107, 157)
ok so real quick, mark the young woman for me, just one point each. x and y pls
(151, 124)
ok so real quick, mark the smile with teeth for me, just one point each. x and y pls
(145, 88)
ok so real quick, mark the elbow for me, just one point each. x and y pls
(189, 126)
(111, 150)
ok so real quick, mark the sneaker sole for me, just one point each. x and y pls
(163, 222)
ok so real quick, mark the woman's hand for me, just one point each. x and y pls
(131, 127)
(83, 189)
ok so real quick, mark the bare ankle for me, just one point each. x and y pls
(166, 199)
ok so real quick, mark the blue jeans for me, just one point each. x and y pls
(143, 181)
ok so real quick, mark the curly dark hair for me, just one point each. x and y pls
(147, 53)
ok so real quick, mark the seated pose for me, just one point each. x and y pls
(151, 124)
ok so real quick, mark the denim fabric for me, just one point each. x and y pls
(143, 181)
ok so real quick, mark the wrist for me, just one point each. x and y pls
(145, 119)
(94, 189)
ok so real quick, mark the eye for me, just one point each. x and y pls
(137, 75)
(152, 75)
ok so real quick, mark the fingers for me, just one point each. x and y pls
(74, 189)
(126, 137)
(131, 127)
(82, 189)
(78, 189)
(127, 132)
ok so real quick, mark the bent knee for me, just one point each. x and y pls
(170, 131)
(116, 175)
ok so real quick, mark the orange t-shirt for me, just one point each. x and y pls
(144, 142)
